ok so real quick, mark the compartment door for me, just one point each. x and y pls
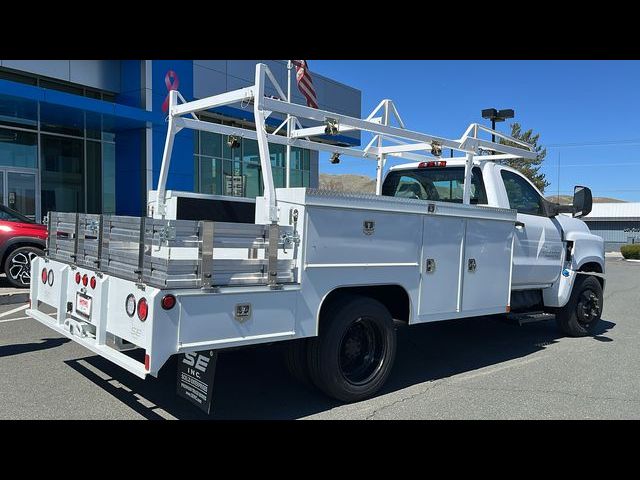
(487, 266)
(441, 249)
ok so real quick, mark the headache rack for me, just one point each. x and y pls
(174, 253)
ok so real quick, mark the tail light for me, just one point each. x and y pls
(92, 282)
(168, 302)
(44, 275)
(78, 278)
(147, 361)
(50, 278)
(130, 305)
(143, 309)
(85, 280)
(430, 164)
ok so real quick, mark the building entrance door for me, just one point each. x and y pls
(18, 191)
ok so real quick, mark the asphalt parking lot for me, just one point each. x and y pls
(481, 368)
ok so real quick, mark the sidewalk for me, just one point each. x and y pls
(10, 295)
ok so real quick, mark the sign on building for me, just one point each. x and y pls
(234, 185)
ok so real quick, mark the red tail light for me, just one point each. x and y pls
(78, 278)
(143, 309)
(93, 282)
(85, 279)
(168, 302)
(147, 361)
(430, 164)
(43, 275)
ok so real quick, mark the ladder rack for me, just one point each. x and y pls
(406, 143)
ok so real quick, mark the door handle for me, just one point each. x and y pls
(519, 224)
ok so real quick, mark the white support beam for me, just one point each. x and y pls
(244, 94)
(263, 145)
(468, 168)
(279, 139)
(319, 130)
(166, 156)
(364, 125)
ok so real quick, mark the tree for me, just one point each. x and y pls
(530, 168)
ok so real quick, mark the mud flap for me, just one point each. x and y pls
(195, 374)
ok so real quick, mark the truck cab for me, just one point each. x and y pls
(547, 242)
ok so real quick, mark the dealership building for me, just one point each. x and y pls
(88, 135)
(616, 223)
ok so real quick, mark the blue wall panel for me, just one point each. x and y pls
(181, 174)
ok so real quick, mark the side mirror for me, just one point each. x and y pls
(582, 201)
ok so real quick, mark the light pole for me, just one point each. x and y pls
(496, 116)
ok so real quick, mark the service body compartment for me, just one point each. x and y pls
(487, 266)
(441, 254)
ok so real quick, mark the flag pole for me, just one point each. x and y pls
(287, 160)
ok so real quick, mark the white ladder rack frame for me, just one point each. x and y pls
(407, 142)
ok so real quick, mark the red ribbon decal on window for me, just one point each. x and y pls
(172, 82)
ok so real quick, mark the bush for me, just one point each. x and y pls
(631, 251)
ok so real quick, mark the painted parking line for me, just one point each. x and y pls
(22, 318)
(17, 309)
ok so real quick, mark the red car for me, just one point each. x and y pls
(21, 239)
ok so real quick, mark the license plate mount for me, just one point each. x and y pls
(83, 305)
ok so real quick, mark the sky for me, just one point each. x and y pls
(587, 112)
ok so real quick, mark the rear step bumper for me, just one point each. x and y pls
(120, 359)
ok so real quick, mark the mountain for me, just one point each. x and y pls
(347, 183)
(364, 184)
(567, 199)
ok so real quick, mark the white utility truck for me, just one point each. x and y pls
(327, 272)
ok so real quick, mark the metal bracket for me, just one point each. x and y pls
(140, 270)
(205, 253)
(290, 239)
(272, 266)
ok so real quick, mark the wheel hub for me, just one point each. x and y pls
(361, 351)
(588, 307)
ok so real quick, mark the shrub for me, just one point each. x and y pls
(631, 251)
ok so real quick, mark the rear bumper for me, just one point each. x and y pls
(105, 351)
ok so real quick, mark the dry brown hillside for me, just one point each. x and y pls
(566, 199)
(364, 184)
(347, 183)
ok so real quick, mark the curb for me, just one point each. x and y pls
(14, 298)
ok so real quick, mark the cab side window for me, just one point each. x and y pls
(522, 196)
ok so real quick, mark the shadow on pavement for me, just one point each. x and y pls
(253, 383)
(19, 348)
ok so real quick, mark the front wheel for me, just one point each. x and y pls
(352, 357)
(18, 266)
(581, 314)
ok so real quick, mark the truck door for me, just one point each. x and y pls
(538, 248)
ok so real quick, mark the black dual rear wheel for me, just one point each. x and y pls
(352, 356)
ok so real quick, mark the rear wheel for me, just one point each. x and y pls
(353, 355)
(295, 357)
(17, 267)
(582, 312)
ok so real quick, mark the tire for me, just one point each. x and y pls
(17, 267)
(353, 355)
(295, 358)
(581, 314)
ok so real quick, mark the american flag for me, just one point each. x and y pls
(305, 84)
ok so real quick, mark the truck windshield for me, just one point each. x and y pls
(438, 184)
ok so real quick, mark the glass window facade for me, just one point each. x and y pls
(222, 170)
(55, 158)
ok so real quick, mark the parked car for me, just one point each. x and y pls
(21, 239)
